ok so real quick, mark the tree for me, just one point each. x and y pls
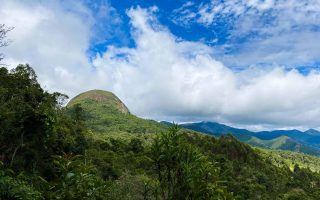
(78, 118)
(76, 180)
(183, 171)
(28, 118)
(3, 34)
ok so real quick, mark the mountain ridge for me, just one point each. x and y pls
(295, 140)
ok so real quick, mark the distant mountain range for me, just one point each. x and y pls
(294, 140)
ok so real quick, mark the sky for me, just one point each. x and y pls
(253, 64)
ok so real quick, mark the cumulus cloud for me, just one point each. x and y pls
(166, 77)
(52, 37)
(162, 76)
(261, 31)
(55, 37)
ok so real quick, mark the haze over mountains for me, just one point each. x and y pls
(293, 140)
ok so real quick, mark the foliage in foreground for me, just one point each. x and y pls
(183, 171)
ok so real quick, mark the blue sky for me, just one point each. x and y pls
(252, 64)
(165, 15)
(229, 26)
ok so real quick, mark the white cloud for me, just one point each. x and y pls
(162, 77)
(51, 37)
(269, 30)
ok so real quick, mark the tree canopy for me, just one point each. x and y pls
(3, 40)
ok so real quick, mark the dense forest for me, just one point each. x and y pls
(93, 148)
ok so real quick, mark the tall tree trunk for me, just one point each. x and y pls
(16, 149)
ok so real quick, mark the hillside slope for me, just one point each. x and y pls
(105, 113)
(104, 98)
(282, 158)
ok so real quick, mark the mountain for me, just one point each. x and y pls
(100, 97)
(104, 113)
(293, 140)
(216, 128)
(312, 132)
(276, 143)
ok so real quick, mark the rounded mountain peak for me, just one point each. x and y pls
(101, 97)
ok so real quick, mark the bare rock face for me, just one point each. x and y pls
(102, 97)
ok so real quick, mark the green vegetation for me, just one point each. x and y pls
(107, 99)
(183, 171)
(95, 149)
(273, 144)
(283, 143)
(105, 113)
(290, 159)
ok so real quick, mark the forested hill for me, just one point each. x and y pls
(95, 149)
(104, 98)
(106, 113)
